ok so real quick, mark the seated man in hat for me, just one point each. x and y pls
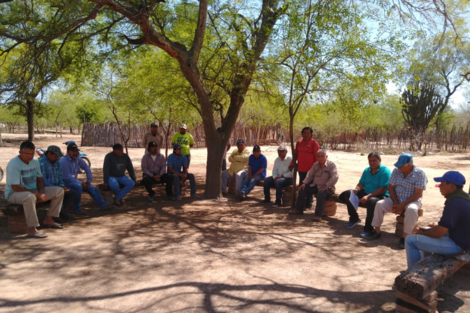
(25, 186)
(114, 173)
(239, 162)
(406, 187)
(178, 169)
(451, 236)
(70, 165)
(282, 176)
(52, 177)
(256, 172)
(320, 180)
(154, 171)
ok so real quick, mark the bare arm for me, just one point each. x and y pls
(433, 232)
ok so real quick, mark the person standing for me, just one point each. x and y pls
(185, 140)
(152, 135)
(114, 173)
(306, 151)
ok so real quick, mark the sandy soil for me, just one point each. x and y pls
(214, 256)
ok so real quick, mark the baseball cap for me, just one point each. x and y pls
(403, 159)
(184, 126)
(453, 177)
(282, 148)
(154, 124)
(256, 148)
(240, 142)
(55, 150)
(176, 146)
(152, 144)
(72, 147)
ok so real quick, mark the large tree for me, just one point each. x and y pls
(218, 57)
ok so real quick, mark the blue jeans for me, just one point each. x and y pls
(280, 184)
(114, 183)
(176, 184)
(92, 191)
(419, 246)
(248, 184)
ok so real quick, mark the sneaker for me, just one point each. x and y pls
(374, 235)
(241, 195)
(116, 202)
(266, 201)
(352, 224)
(365, 234)
(151, 198)
(224, 194)
(401, 243)
(276, 204)
(195, 196)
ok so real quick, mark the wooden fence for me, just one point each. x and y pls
(106, 135)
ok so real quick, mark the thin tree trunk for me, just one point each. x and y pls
(30, 118)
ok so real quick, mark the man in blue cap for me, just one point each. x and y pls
(451, 236)
(406, 187)
(178, 169)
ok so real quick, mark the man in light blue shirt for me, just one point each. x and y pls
(25, 186)
(71, 164)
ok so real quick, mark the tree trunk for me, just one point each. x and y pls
(30, 118)
(1, 141)
(294, 160)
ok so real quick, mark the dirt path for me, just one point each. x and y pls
(214, 256)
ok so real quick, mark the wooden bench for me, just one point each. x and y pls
(400, 219)
(16, 217)
(416, 287)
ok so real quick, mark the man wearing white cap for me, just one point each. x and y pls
(451, 236)
(282, 176)
(185, 140)
(406, 187)
(152, 135)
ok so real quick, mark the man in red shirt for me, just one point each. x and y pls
(306, 155)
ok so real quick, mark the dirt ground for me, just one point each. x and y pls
(214, 256)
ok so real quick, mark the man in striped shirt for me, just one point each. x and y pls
(178, 168)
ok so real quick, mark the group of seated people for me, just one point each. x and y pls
(54, 177)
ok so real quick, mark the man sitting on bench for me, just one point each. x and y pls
(372, 187)
(25, 186)
(282, 176)
(451, 235)
(154, 168)
(256, 172)
(406, 187)
(320, 180)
